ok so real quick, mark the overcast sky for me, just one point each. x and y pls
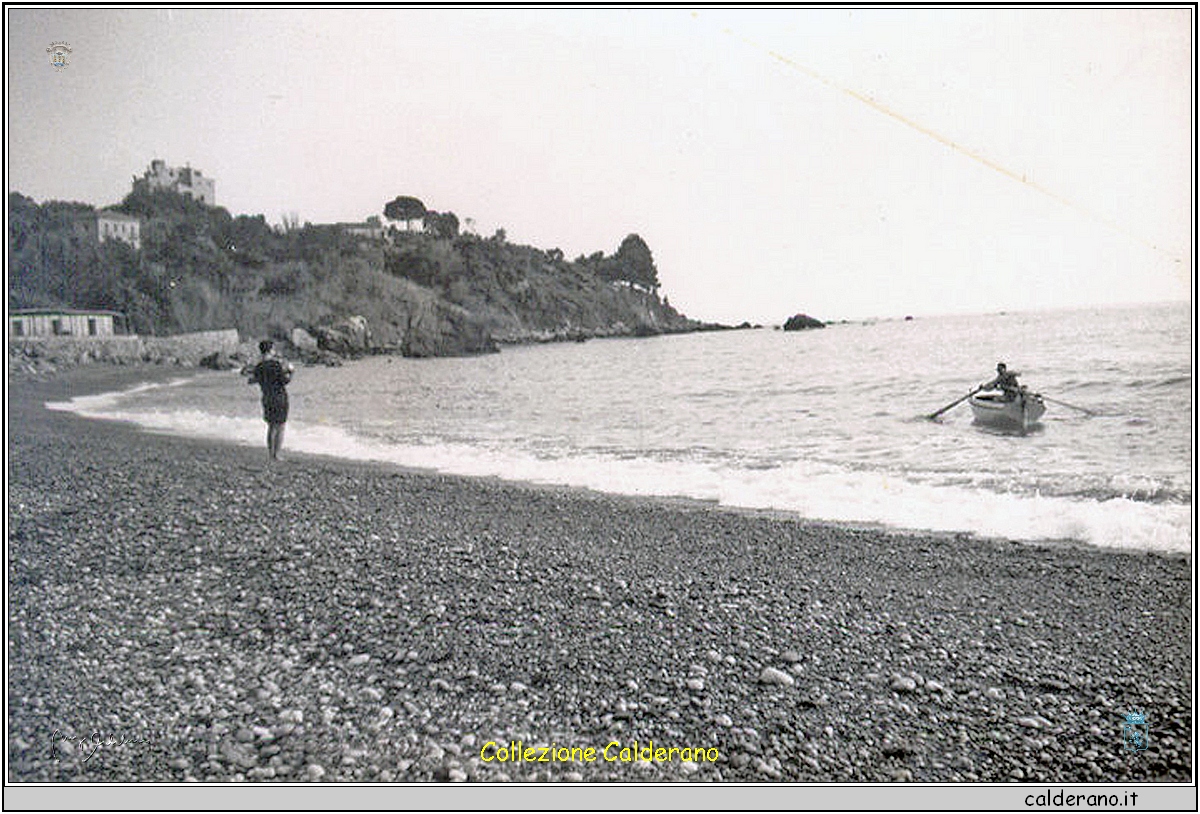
(846, 163)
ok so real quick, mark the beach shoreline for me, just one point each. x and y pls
(106, 379)
(336, 620)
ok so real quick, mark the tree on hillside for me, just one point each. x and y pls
(290, 222)
(49, 246)
(442, 224)
(162, 203)
(405, 208)
(636, 263)
(632, 264)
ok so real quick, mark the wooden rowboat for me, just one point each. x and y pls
(1019, 413)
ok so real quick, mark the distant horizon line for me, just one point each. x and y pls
(777, 322)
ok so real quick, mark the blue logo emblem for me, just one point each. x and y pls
(58, 54)
(1135, 732)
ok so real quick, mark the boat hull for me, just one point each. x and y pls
(1020, 413)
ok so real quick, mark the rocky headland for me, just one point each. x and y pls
(326, 290)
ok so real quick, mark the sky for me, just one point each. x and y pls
(846, 163)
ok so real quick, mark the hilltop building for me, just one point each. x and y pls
(371, 228)
(184, 180)
(112, 225)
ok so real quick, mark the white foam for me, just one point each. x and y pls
(812, 490)
(99, 405)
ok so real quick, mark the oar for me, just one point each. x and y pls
(955, 402)
(1072, 406)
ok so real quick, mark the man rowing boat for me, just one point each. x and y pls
(1006, 381)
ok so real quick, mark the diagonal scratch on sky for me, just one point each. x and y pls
(973, 155)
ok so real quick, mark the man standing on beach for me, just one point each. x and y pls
(272, 374)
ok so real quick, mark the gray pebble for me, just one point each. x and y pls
(770, 675)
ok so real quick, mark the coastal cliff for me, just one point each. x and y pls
(433, 292)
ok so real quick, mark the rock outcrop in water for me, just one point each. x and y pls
(801, 322)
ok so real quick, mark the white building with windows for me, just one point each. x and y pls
(373, 231)
(112, 225)
(34, 322)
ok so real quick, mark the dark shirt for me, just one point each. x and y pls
(271, 376)
(1003, 381)
(1006, 383)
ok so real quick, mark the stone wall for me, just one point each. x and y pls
(189, 349)
(55, 352)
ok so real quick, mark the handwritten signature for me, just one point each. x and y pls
(89, 745)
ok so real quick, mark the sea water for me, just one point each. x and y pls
(828, 424)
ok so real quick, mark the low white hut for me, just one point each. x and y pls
(33, 322)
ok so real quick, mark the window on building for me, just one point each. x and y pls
(91, 326)
(18, 327)
(57, 326)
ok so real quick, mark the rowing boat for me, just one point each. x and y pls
(1020, 412)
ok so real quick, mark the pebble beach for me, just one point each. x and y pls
(183, 611)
